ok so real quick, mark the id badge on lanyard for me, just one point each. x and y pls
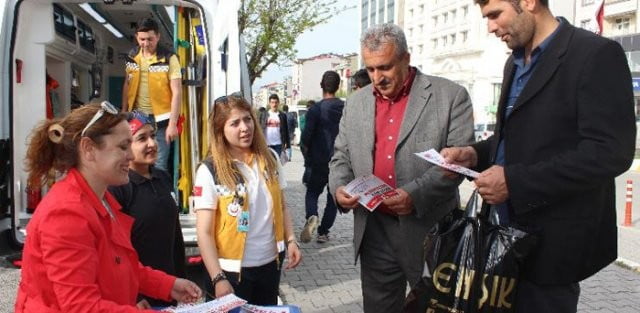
(243, 221)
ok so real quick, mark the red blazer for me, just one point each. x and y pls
(77, 259)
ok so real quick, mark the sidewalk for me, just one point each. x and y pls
(328, 281)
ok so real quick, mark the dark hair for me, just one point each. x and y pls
(285, 108)
(53, 144)
(361, 78)
(310, 103)
(147, 24)
(223, 161)
(274, 96)
(545, 3)
(330, 82)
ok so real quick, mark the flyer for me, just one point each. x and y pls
(434, 157)
(371, 190)
(222, 304)
(249, 308)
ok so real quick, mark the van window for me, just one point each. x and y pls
(63, 23)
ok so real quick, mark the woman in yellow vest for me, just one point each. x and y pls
(244, 227)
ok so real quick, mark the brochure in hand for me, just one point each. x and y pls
(434, 157)
(371, 190)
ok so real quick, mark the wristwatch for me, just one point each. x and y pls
(292, 241)
(218, 278)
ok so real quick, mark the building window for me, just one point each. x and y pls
(421, 8)
(465, 11)
(420, 49)
(410, 32)
(445, 18)
(453, 39)
(587, 2)
(453, 15)
(434, 43)
(445, 41)
(410, 13)
(464, 35)
(390, 11)
(435, 21)
(421, 29)
(622, 25)
(585, 23)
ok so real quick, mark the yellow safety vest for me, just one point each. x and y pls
(159, 81)
(229, 241)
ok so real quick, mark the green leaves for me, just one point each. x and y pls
(271, 28)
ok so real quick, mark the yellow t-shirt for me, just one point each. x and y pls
(142, 97)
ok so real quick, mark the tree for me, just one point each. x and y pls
(271, 27)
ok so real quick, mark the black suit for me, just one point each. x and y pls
(571, 132)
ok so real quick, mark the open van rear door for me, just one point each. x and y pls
(73, 41)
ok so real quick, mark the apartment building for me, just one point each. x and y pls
(307, 73)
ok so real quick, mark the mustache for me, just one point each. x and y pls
(384, 81)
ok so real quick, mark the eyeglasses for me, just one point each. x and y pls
(105, 106)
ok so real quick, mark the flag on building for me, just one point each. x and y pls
(599, 16)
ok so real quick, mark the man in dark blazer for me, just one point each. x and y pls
(383, 124)
(565, 130)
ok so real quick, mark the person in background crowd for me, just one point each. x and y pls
(303, 122)
(154, 85)
(243, 224)
(292, 124)
(550, 165)
(317, 141)
(383, 124)
(78, 256)
(275, 127)
(148, 198)
(360, 79)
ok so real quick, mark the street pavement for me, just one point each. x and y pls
(327, 280)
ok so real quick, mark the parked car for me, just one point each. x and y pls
(484, 131)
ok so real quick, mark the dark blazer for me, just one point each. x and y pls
(320, 131)
(571, 132)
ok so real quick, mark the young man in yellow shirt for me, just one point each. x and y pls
(153, 85)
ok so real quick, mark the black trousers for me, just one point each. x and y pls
(534, 298)
(258, 285)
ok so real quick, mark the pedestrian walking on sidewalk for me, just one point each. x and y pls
(321, 129)
(242, 221)
(401, 112)
(565, 129)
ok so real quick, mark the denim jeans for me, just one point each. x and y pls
(315, 186)
(163, 148)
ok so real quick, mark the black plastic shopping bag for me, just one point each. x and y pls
(470, 265)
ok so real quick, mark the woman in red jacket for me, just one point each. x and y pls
(78, 255)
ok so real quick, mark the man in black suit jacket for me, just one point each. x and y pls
(565, 130)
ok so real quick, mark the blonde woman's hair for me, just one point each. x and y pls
(227, 174)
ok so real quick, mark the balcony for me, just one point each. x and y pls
(614, 8)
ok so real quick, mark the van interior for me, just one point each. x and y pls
(68, 53)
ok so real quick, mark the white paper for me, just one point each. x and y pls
(434, 157)
(249, 308)
(371, 190)
(222, 304)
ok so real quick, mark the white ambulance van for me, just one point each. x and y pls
(56, 54)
